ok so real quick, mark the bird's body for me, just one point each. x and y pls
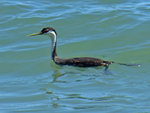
(77, 61)
(82, 62)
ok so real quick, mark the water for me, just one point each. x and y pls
(109, 29)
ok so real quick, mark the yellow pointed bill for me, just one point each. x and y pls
(35, 34)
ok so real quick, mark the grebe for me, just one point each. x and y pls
(77, 61)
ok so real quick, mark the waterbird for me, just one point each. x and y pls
(76, 61)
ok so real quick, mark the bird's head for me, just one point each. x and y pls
(46, 31)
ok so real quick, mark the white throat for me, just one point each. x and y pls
(52, 35)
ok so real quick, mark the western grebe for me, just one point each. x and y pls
(77, 61)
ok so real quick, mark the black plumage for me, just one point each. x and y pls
(82, 62)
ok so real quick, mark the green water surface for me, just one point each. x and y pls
(30, 82)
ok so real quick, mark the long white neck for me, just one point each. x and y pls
(52, 35)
